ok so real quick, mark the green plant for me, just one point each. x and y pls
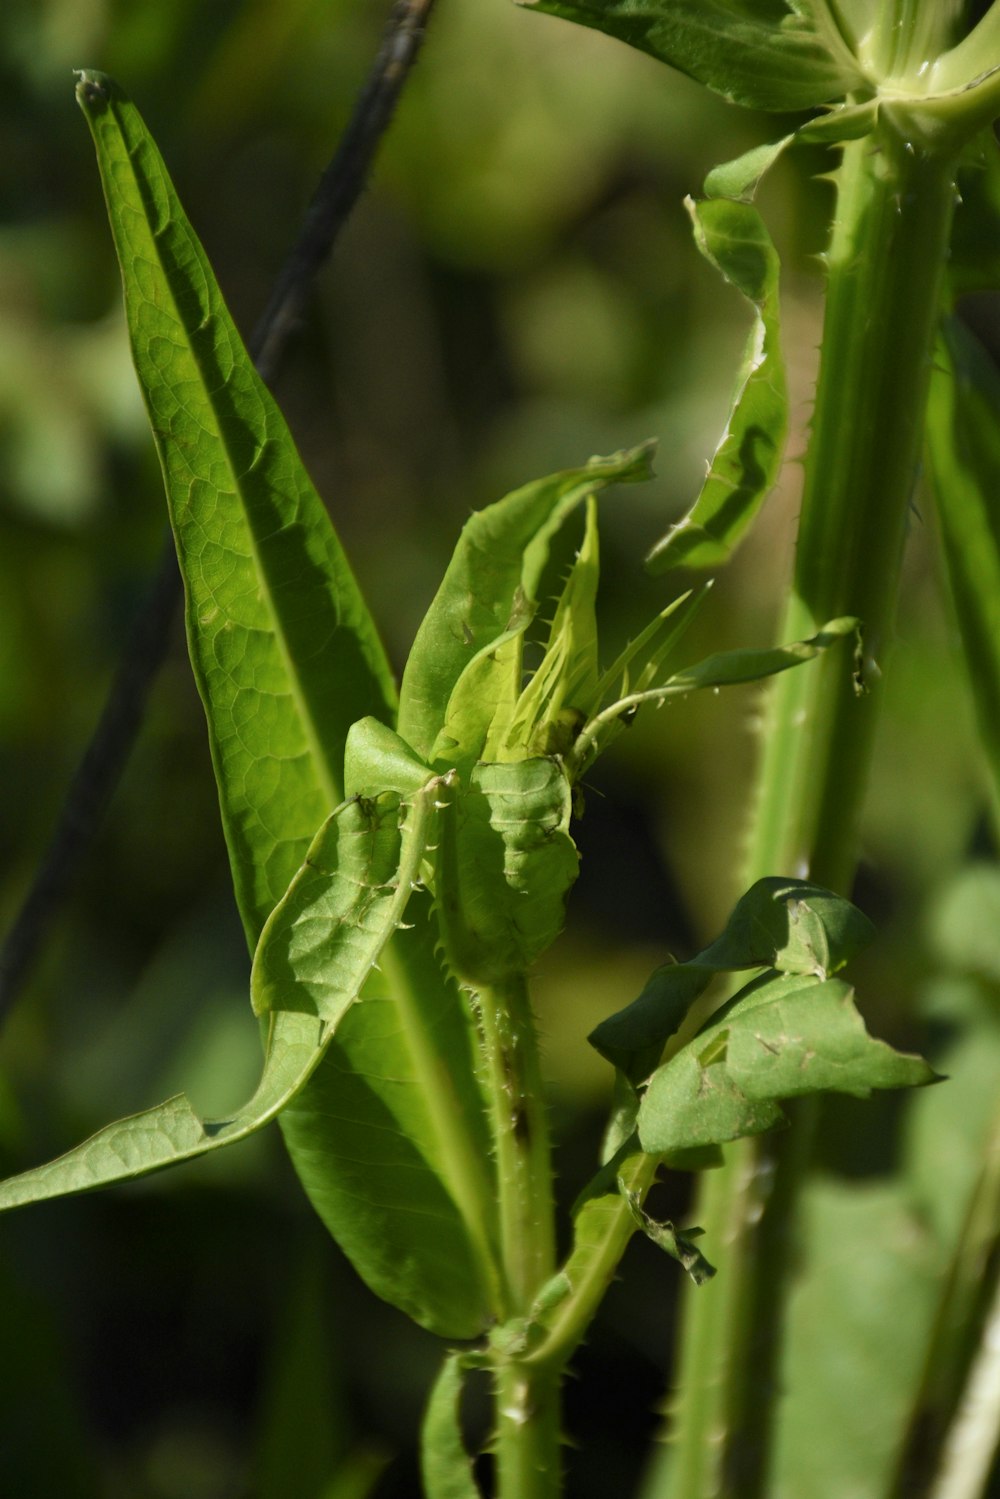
(401, 863)
(911, 103)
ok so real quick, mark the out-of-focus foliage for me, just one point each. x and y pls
(517, 291)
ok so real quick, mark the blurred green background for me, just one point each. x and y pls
(517, 290)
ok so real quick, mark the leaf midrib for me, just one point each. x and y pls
(330, 785)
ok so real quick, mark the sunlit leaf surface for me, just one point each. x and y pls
(283, 648)
(786, 925)
(782, 1037)
(465, 665)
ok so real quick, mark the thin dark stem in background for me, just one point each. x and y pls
(342, 182)
(105, 757)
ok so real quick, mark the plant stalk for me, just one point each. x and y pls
(526, 1446)
(528, 1464)
(885, 264)
(521, 1135)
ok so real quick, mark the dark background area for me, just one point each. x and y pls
(517, 290)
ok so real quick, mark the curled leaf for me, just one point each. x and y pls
(465, 666)
(389, 1139)
(786, 925)
(680, 1246)
(732, 236)
(444, 1463)
(505, 866)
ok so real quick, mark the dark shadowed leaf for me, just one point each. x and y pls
(857, 1321)
(974, 261)
(666, 1236)
(302, 1428)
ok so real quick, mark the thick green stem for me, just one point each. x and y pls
(528, 1464)
(521, 1136)
(527, 1400)
(886, 259)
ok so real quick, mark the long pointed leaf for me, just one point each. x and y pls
(749, 664)
(644, 655)
(287, 659)
(565, 680)
(283, 647)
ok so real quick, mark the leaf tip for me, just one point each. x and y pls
(629, 465)
(94, 90)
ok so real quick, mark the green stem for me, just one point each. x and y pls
(521, 1137)
(886, 259)
(887, 255)
(527, 1400)
(527, 1439)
